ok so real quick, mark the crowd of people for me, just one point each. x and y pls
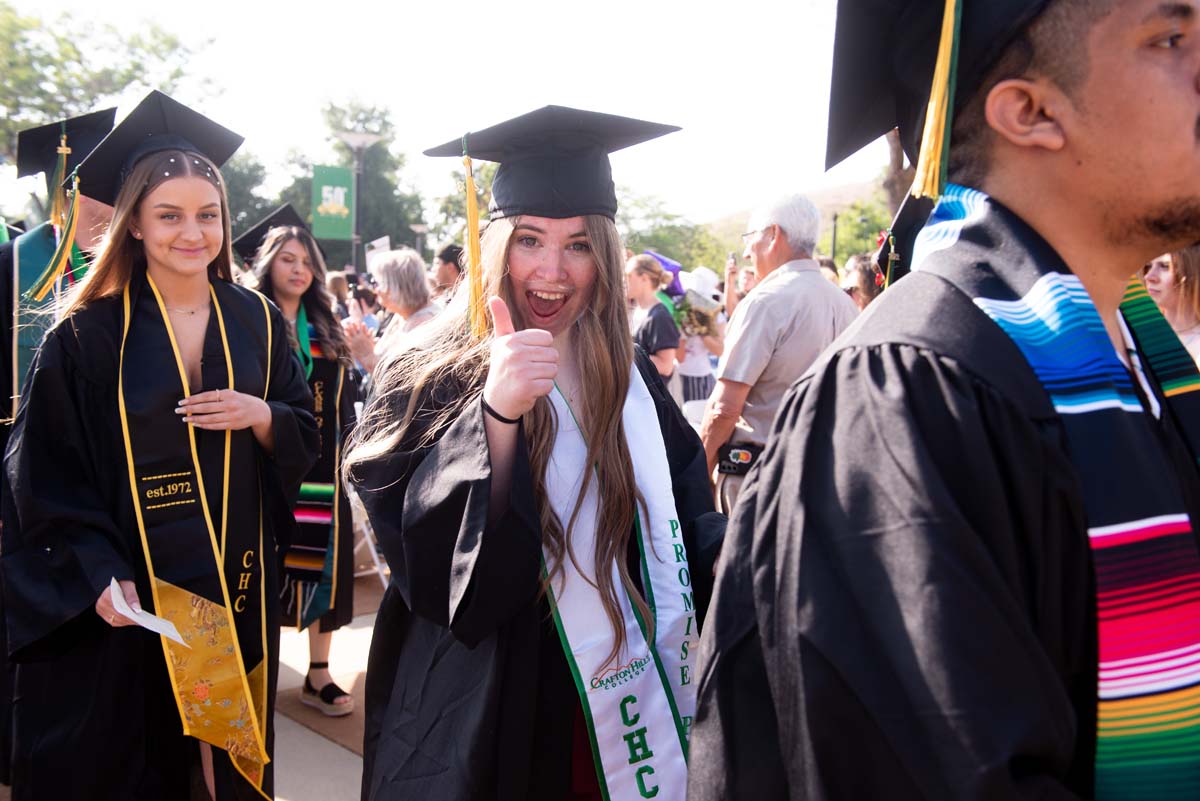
(919, 526)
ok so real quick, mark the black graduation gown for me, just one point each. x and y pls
(905, 606)
(468, 690)
(94, 713)
(6, 392)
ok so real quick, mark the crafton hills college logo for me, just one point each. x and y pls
(616, 676)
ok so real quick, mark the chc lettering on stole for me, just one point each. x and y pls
(639, 749)
(239, 603)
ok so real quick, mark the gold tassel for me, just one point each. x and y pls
(58, 203)
(935, 141)
(892, 258)
(479, 324)
(62, 254)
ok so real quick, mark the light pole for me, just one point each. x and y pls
(358, 142)
(833, 244)
(420, 229)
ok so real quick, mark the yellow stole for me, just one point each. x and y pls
(220, 680)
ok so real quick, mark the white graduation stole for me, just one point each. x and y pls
(639, 709)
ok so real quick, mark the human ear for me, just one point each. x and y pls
(1025, 113)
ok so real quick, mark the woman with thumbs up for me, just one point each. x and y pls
(543, 506)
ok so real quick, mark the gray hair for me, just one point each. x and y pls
(401, 274)
(796, 216)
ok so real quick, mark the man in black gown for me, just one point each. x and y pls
(37, 151)
(907, 600)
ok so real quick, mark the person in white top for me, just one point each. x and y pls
(1173, 280)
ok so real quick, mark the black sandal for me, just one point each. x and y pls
(325, 699)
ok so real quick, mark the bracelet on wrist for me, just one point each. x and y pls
(506, 420)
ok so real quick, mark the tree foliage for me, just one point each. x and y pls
(67, 67)
(452, 209)
(858, 227)
(244, 176)
(645, 224)
(385, 206)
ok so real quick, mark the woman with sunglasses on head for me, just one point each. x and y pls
(542, 503)
(160, 441)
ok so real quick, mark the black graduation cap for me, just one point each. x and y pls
(884, 53)
(37, 148)
(554, 161)
(247, 244)
(157, 123)
(890, 57)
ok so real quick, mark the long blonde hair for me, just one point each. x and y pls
(647, 265)
(120, 254)
(447, 354)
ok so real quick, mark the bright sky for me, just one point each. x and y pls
(748, 82)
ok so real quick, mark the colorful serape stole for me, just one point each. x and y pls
(1168, 360)
(310, 567)
(1144, 550)
(311, 561)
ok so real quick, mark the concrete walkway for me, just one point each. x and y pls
(309, 767)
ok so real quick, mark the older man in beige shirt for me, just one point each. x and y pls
(775, 334)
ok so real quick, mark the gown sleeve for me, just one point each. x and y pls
(65, 546)
(428, 505)
(903, 607)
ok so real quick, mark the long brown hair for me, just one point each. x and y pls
(445, 353)
(317, 300)
(120, 254)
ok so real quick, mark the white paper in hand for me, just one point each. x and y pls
(143, 618)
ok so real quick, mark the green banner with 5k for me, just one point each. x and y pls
(333, 203)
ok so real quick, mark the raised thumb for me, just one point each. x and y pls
(501, 319)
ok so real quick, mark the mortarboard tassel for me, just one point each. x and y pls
(474, 268)
(934, 157)
(62, 254)
(58, 202)
(892, 258)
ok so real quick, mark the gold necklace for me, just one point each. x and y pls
(188, 312)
